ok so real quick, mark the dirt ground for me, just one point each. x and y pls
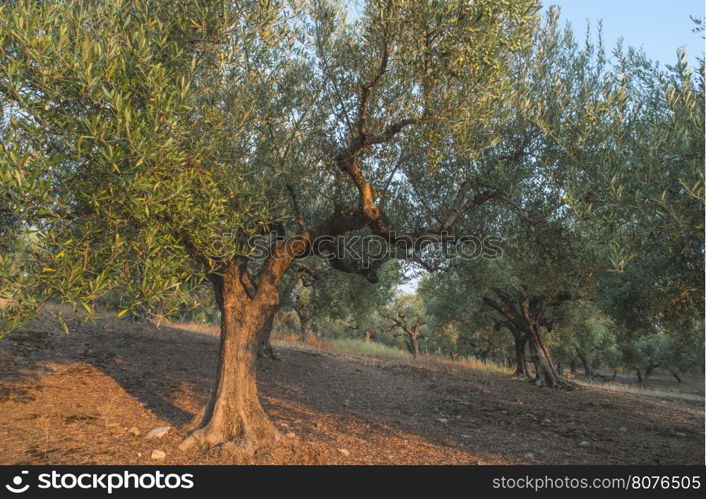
(70, 399)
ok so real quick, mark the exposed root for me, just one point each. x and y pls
(558, 383)
(240, 436)
(196, 420)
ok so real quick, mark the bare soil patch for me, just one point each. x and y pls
(70, 399)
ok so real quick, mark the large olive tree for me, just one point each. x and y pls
(149, 143)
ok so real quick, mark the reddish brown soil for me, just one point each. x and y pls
(70, 399)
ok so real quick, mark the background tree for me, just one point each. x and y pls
(405, 318)
(583, 334)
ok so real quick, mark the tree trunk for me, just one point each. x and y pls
(639, 376)
(368, 335)
(545, 371)
(676, 374)
(233, 412)
(587, 369)
(305, 335)
(264, 345)
(521, 366)
(413, 346)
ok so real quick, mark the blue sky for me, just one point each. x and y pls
(660, 27)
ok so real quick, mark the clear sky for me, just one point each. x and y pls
(660, 27)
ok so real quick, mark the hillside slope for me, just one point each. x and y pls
(68, 399)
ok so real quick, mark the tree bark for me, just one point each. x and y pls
(305, 335)
(413, 346)
(233, 412)
(303, 329)
(521, 366)
(264, 345)
(545, 371)
(587, 369)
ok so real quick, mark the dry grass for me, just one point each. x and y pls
(371, 349)
(361, 350)
(607, 386)
(194, 327)
(457, 367)
(294, 341)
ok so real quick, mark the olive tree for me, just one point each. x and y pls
(151, 143)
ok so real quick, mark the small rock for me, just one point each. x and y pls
(290, 434)
(679, 434)
(134, 430)
(228, 449)
(319, 425)
(623, 429)
(443, 420)
(529, 455)
(583, 443)
(345, 452)
(158, 432)
(247, 448)
(158, 455)
(465, 436)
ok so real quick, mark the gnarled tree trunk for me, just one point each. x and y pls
(264, 345)
(233, 412)
(587, 368)
(676, 374)
(521, 366)
(545, 371)
(413, 345)
(524, 320)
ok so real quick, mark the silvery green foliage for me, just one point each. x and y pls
(146, 142)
